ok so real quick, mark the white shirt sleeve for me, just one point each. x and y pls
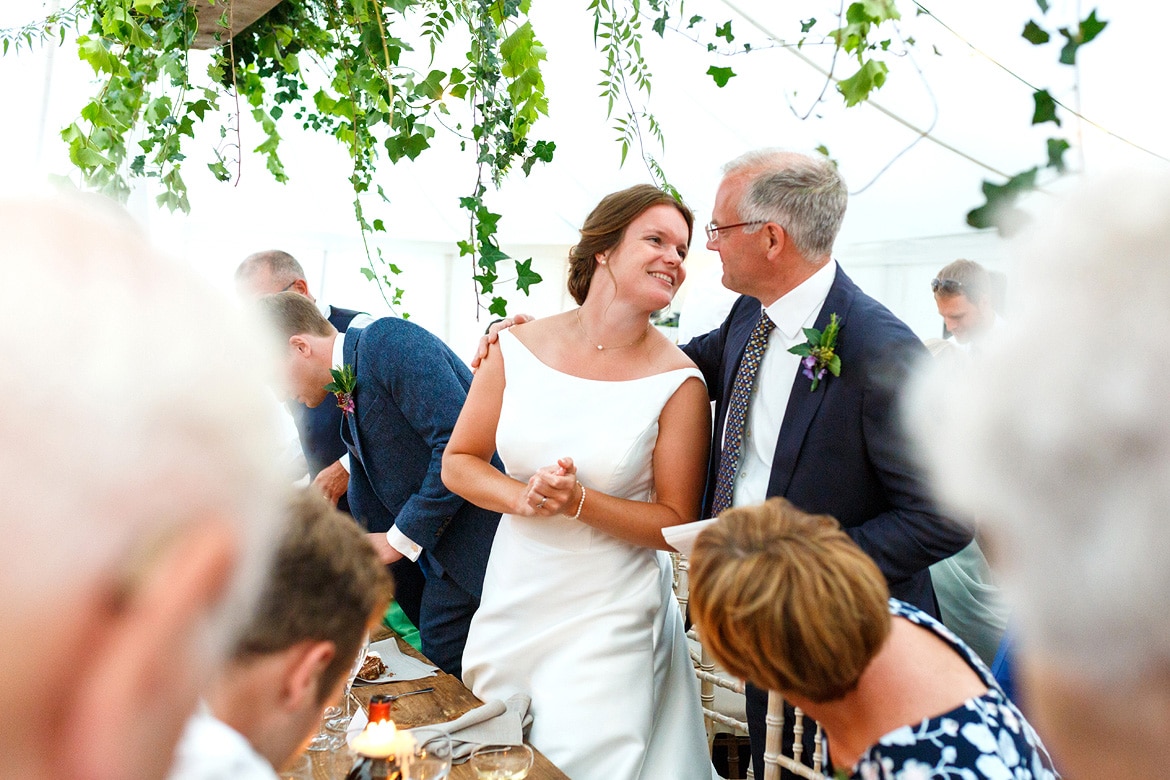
(402, 543)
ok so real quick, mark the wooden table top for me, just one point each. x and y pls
(449, 700)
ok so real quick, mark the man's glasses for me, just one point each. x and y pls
(713, 229)
(945, 286)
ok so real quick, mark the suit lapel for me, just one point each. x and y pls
(349, 427)
(803, 403)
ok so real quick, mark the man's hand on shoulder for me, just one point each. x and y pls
(493, 335)
(332, 481)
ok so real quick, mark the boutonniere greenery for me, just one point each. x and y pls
(819, 352)
(344, 381)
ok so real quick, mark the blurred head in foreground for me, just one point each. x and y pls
(139, 490)
(787, 601)
(325, 588)
(1061, 442)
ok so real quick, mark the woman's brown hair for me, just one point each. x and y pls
(786, 600)
(606, 225)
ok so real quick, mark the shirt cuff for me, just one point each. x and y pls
(344, 461)
(402, 543)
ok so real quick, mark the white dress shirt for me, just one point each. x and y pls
(398, 540)
(360, 320)
(792, 313)
(212, 750)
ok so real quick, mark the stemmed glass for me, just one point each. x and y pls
(430, 760)
(339, 721)
(502, 762)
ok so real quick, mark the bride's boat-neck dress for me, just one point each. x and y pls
(584, 623)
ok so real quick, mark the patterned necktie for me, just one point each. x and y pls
(741, 392)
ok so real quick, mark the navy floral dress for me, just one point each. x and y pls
(984, 738)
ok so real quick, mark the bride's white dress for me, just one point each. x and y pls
(586, 624)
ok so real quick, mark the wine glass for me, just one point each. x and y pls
(502, 762)
(429, 760)
(340, 720)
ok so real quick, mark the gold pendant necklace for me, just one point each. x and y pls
(601, 347)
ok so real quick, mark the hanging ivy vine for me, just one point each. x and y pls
(371, 99)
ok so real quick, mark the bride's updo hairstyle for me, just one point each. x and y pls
(606, 225)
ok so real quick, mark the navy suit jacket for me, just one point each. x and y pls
(319, 427)
(409, 392)
(841, 449)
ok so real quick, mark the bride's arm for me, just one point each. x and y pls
(680, 471)
(467, 466)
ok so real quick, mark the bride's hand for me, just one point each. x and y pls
(550, 490)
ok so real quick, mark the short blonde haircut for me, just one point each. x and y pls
(292, 314)
(787, 601)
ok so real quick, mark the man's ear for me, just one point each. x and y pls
(777, 239)
(300, 345)
(300, 286)
(302, 675)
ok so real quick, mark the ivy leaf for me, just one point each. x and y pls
(857, 87)
(499, 307)
(368, 273)
(1087, 30)
(1035, 34)
(724, 31)
(659, 25)
(721, 75)
(1045, 108)
(999, 211)
(1043, 6)
(693, 21)
(525, 276)
(807, 24)
(1056, 149)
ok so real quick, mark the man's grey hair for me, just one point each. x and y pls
(284, 267)
(1059, 438)
(803, 194)
(136, 402)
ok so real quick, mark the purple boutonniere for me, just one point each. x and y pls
(819, 352)
(344, 381)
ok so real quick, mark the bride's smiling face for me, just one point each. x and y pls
(648, 261)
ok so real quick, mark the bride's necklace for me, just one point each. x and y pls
(601, 347)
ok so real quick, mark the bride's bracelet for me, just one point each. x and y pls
(581, 504)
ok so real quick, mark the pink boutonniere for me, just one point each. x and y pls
(342, 386)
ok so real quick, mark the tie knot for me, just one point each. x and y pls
(765, 324)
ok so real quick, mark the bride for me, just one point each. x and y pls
(603, 426)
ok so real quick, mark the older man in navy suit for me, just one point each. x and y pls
(409, 388)
(831, 444)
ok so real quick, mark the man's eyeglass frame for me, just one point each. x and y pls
(712, 230)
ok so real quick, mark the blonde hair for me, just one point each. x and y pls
(787, 601)
(292, 314)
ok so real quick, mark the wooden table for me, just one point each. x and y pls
(449, 700)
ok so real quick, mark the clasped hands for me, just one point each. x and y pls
(552, 490)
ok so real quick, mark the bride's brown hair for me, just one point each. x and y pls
(606, 225)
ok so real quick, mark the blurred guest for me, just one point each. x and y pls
(140, 491)
(1061, 442)
(970, 601)
(788, 601)
(408, 389)
(326, 587)
(963, 293)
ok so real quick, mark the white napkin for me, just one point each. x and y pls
(494, 723)
(399, 666)
(682, 537)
